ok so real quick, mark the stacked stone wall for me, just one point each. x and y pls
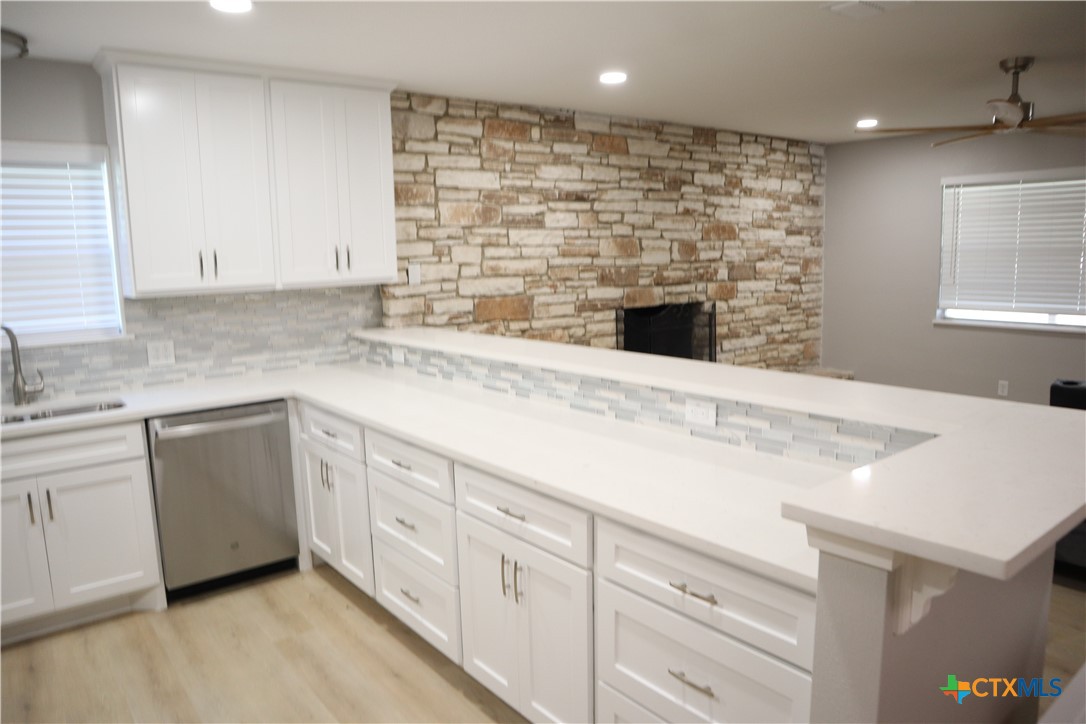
(541, 223)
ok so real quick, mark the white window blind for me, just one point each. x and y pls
(56, 243)
(1014, 252)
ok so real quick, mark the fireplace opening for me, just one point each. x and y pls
(674, 330)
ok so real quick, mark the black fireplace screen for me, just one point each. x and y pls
(675, 330)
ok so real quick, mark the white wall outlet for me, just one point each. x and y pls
(414, 275)
(1003, 388)
(397, 355)
(160, 353)
(701, 412)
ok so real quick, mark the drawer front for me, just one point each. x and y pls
(614, 708)
(67, 450)
(415, 525)
(687, 671)
(772, 617)
(333, 432)
(555, 527)
(421, 469)
(427, 605)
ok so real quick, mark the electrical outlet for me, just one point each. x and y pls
(414, 275)
(1003, 388)
(397, 355)
(700, 412)
(160, 353)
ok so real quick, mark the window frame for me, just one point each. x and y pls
(1066, 173)
(16, 151)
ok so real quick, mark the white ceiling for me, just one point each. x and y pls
(790, 69)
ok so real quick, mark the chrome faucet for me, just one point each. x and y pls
(21, 389)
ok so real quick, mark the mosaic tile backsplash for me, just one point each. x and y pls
(789, 433)
(213, 336)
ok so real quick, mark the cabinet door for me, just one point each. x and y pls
(162, 176)
(25, 586)
(554, 612)
(99, 532)
(306, 182)
(320, 504)
(354, 556)
(487, 613)
(232, 124)
(367, 207)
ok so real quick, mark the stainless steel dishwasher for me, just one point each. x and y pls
(224, 491)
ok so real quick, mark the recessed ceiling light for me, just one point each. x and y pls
(612, 77)
(232, 6)
(867, 123)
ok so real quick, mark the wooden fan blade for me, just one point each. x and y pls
(931, 129)
(989, 132)
(1076, 131)
(1064, 120)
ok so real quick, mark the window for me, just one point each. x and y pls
(56, 244)
(1014, 251)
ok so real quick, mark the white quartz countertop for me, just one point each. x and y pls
(999, 485)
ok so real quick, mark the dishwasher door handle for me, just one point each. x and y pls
(165, 432)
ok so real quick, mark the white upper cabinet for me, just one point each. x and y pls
(203, 205)
(333, 184)
(195, 169)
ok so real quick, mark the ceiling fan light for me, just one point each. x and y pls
(612, 77)
(867, 123)
(232, 6)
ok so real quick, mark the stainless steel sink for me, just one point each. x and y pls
(64, 411)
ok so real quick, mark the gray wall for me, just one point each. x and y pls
(881, 256)
(214, 336)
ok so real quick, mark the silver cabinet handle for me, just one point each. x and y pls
(200, 254)
(516, 582)
(215, 259)
(337, 258)
(505, 588)
(709, 598)
(511, 514)
(30, 504)
(408, 596)
(348, 258)
(405, 524)
(324, 474)
(707, 690)
(328, 433)
(399, 464)
(49, 500)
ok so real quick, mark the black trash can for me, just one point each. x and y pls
(1071, 549)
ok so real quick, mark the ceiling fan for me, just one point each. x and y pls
(1008, 116)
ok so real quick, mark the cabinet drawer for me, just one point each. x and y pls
(415, 525)
(614, 708)
(66, 450)
(688, 672)
(333, 432)
(772, 617)
(430, 473)
(429, 606)
(555, 527)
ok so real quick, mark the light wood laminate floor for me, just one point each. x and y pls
(297, 647)
(293, 647)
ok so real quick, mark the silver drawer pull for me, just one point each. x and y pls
(707, 690)
(405, 524)
(408, 596)
(399, 464)
(709, 598)
(328, 433)
(511, 514)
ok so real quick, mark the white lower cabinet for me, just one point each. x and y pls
(75, 535)
(337, 502)
(428, 605)
(526, 623)
(614, 708)
(686, 671)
